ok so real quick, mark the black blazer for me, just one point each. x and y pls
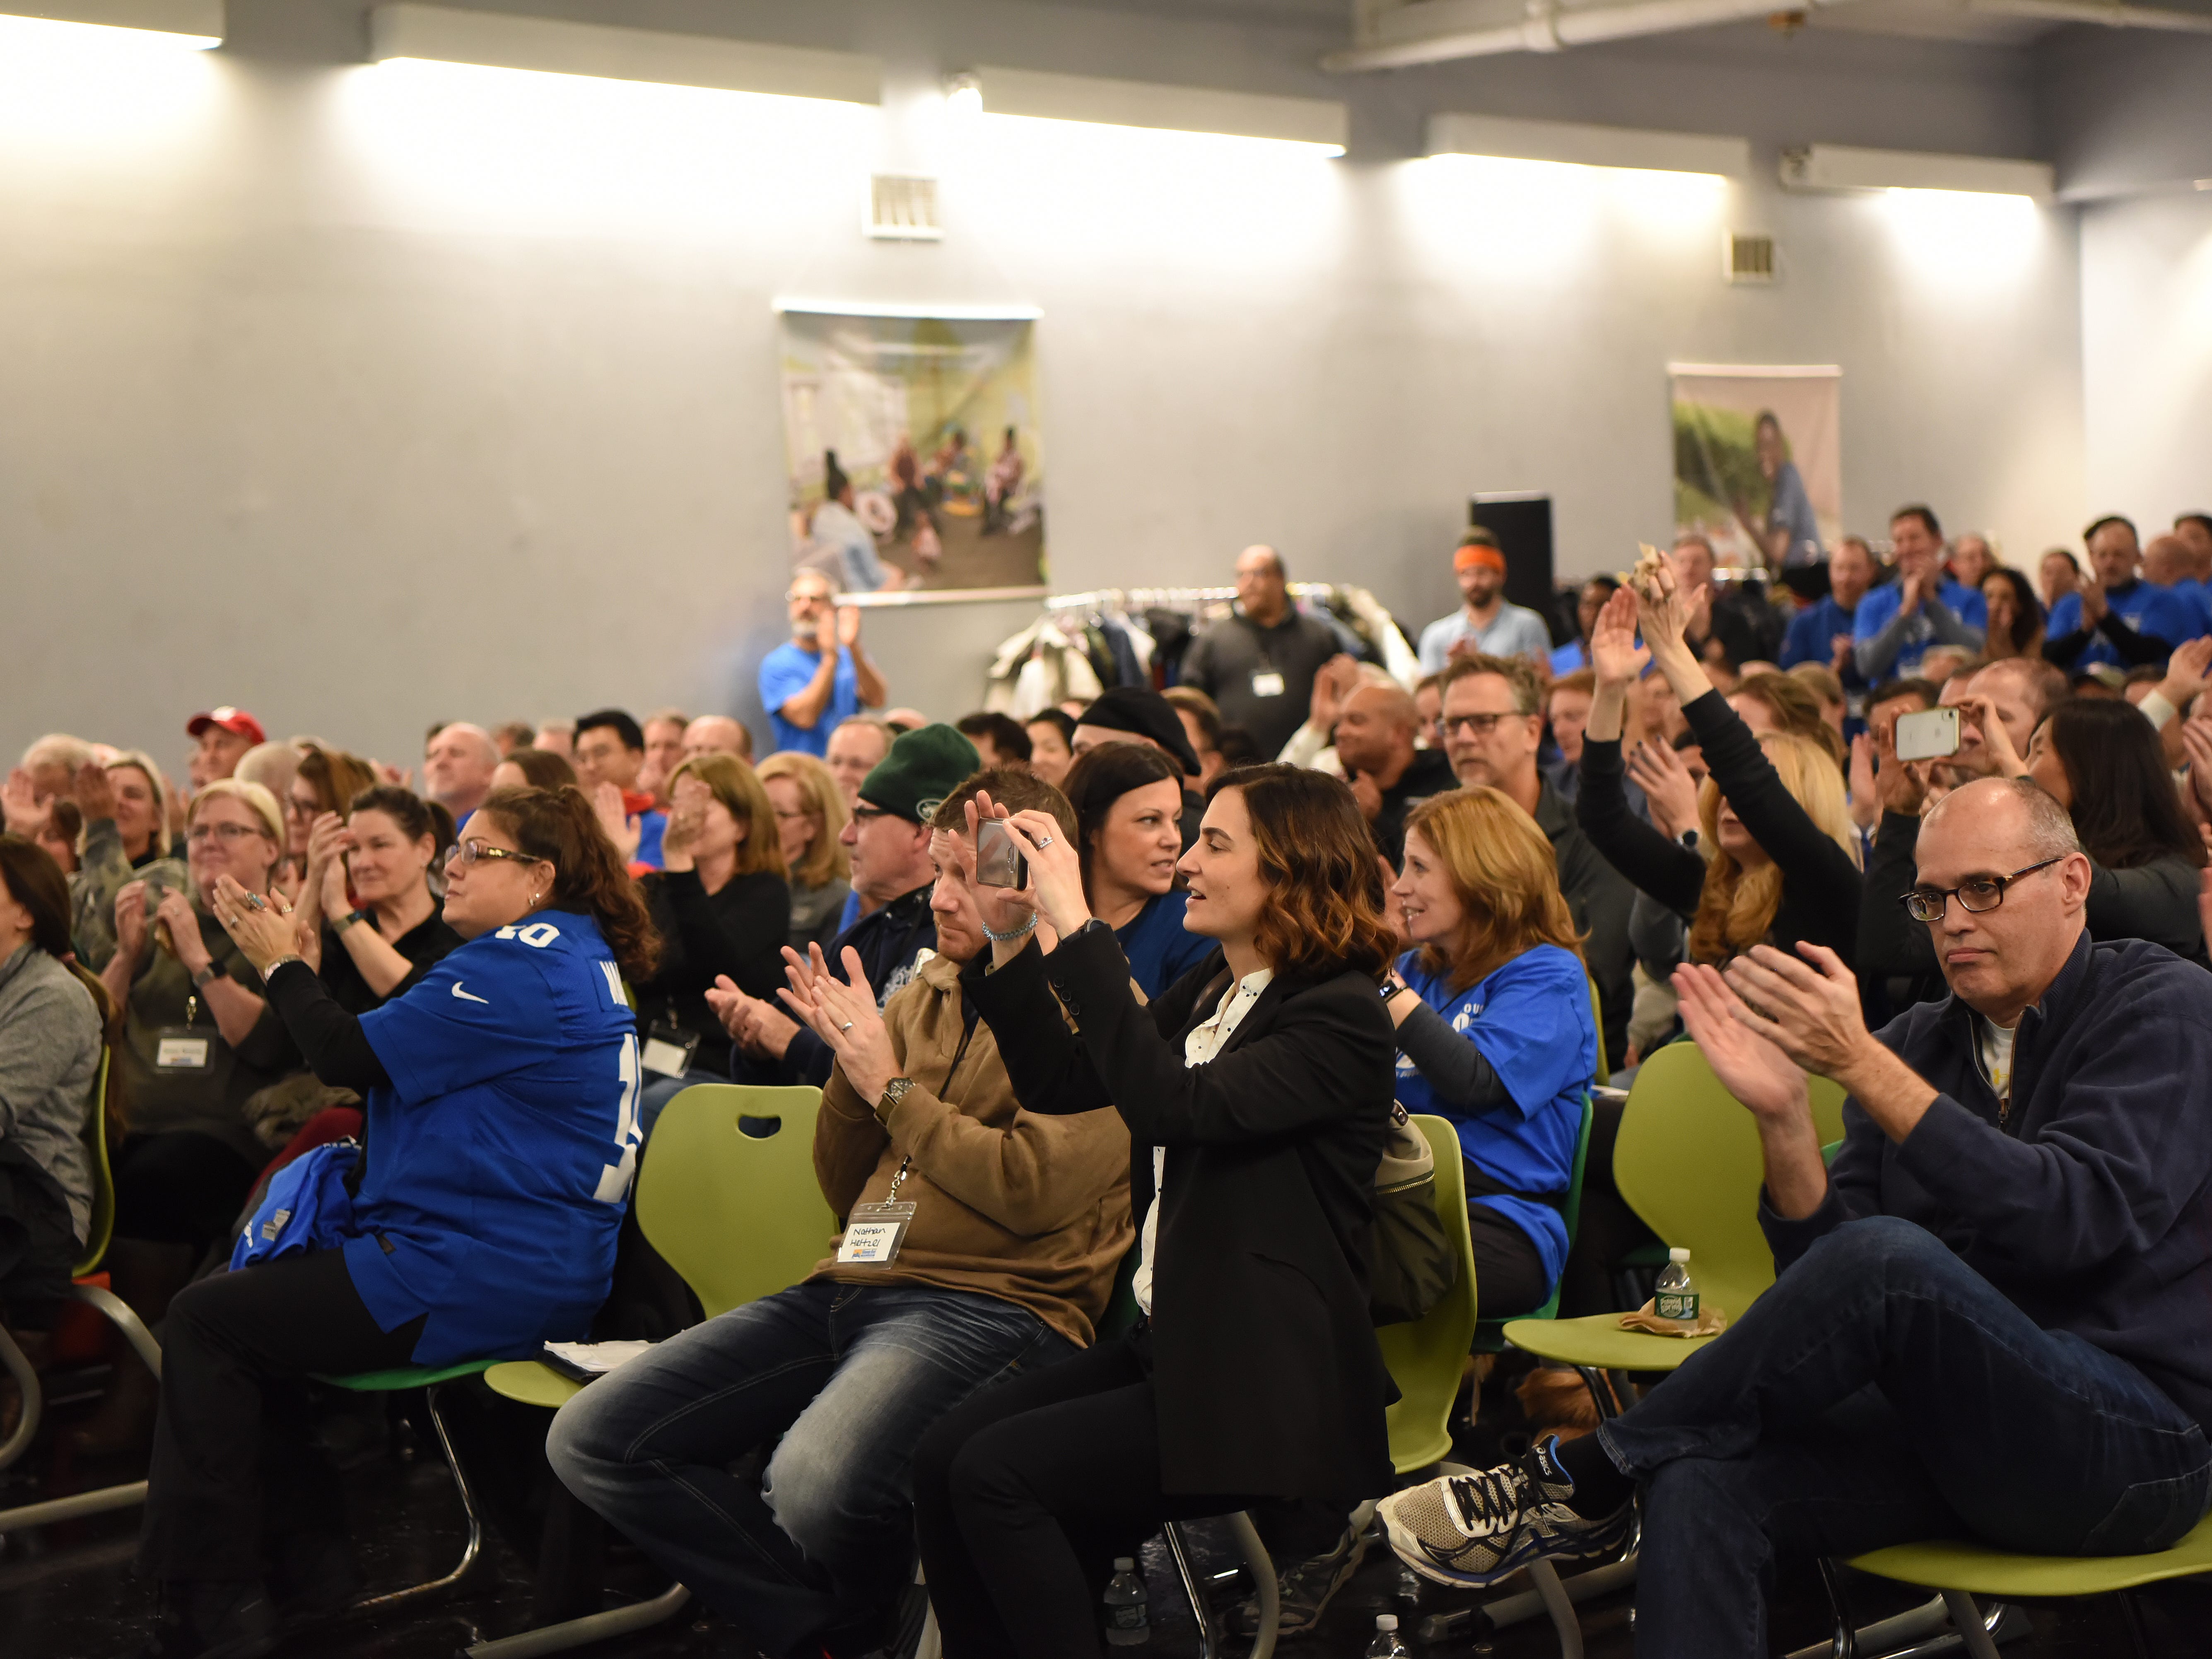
(1266, 1375)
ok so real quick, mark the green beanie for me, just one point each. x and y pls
(923, 768)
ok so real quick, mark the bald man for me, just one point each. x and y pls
(2168, 563)
(718, 735)
(457, 768)
(1390, 776)
(1258, 662)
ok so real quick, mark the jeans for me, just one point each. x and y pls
(1880, 1393)
(849, 1377)
(652, 1099)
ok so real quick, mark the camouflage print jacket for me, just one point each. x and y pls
(103, 871)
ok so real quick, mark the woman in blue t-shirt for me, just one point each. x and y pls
(501, 1096)
(1495, 1029)
(1128, 800)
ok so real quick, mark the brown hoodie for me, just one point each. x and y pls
(1030, 1209)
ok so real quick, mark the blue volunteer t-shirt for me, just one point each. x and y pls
(1531, 1019)
(1879, 607)
(1160, 949)
(784, 673)
(2198, 598)
(2144, 606)
(499, 1155)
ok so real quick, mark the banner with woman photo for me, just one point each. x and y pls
(911, 447)
(1758, 463)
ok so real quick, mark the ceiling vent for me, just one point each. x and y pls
(1748, 259)
(903, 208)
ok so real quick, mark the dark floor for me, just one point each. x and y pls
(69, 1592)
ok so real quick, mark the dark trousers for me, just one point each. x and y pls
(1024, 1495)
(1883, 1392)
(178, 1188)
(1509, 1275)
(238, 1487)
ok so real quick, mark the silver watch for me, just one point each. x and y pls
(894, 1091)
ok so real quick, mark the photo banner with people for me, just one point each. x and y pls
(1758, 466)
(912, 453)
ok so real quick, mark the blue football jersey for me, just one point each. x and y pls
(499, 1155)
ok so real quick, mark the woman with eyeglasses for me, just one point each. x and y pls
(1774, 859)
(501, 1095)
(367, 920)
(197, 1039)
(810, 817)
(326, 780)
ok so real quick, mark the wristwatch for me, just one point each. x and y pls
(894, 1091)
(1391, 988)
(348, 920)
(214, 970)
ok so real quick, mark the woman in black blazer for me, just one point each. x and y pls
(1257, 1092)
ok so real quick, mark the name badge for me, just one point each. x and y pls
(668, 1050)
(875, 1232)
(1267, 683)
(181, 1053)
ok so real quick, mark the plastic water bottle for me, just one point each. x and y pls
(1409, 1587)
(1676, 1298)
(1128, 1623)
(1386, 1644)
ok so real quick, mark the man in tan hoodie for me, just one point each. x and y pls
(1007, 1256)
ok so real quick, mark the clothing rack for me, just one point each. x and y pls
(1167, 599)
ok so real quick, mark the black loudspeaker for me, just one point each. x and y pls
(1522, 522)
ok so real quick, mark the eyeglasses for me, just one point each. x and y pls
(869, 814)
(1975, 894)
(1475, 726)
(475, 852)
(227, 832)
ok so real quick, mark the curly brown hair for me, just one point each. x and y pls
(1324, 911)
(559, 827)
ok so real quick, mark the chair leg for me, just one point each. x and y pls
(77, 1504)
(1201, 1609)
(133, 1328)
(1261, 1566)
(470, 1552)
(1966, 1620)
(18, 1365)
(1553, 1594)
(2133, 1616)
(592, 1628)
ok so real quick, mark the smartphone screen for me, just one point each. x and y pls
(1930, 734)
(999, 860)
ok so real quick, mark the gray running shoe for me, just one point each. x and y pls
(1471, 1530)
(1305, 1588)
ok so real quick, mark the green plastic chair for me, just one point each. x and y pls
(1959, 1570)
(1427, 1356)
(1597, 1013)
(1490, 1333)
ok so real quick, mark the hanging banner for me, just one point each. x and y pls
(1758, 467)
(912, 455)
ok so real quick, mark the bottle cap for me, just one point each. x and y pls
(1678, 1254)
(1386, 1621)
(1124, 1563)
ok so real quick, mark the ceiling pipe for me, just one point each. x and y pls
(1552, 29)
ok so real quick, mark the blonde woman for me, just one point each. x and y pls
(723, 912)
(1784, 866)
(810, 817)
(1495, 1028)
(125, 805)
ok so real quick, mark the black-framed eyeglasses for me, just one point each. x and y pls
(865, 814)
(1975, 894)
(473, 852)
(1477, 726)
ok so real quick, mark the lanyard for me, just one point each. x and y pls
(967, 1035)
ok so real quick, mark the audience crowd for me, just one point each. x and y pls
(1117, 1013)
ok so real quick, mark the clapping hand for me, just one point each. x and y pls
(262, 929)
(131, 922)
(623, 830)
(844, 1015)
(1749, 1066)
(1333, 683)
(25, 814)
(762, 1029)
(1807, 1008)
(848, 626)
(2188, 671)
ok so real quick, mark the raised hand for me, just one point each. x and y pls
(2188, 671)
(1615, 656)
(1055, 871)
(1901, 786)
(621, 828)
(24, 813)
(1995, 738)
(1333, 683)
(95, 790)
(1667, 609)
(1004, 909)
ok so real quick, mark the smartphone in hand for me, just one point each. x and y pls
(1928, 734)
(999, 860)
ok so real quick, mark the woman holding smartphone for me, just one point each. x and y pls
(1257, 1091)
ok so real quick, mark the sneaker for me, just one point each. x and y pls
(210, 1619)
(1471, 1530)
(1305, 1588)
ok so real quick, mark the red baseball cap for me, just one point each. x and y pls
(236, 721)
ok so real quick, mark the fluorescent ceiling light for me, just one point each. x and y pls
(193, 25)
(1320, 122)
(951, 314)
(1577, 143)
(1842, 167)
(500, 41)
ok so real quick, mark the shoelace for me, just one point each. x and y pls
(1494, 1496)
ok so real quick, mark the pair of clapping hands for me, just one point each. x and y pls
(843, 1012)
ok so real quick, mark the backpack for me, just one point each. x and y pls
(1414, 1265)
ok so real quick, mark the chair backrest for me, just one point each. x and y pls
(1597, 1014)
(1687, 1162)
(1426, 1356)
(738, 1215)
(102, 1227)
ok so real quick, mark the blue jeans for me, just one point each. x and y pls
(849, 1377)
(1884, 1392)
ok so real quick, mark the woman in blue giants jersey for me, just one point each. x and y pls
(501, 1096)
(1495, 1029)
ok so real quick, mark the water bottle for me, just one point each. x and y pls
(1128, 1621)
(1676, 1298)
(1409, 1587)
(1386, 1644)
